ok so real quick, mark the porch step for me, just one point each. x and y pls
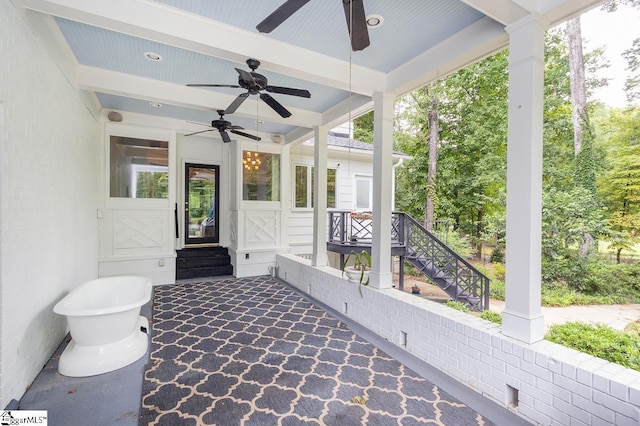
(203, 262)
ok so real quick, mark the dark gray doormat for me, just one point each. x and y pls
(255, 352)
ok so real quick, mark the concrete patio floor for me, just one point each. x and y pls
(114, 398)
(106, 399)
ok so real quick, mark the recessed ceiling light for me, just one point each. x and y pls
(259, 122)
(155, 104)
(374, 21)
(152, 56)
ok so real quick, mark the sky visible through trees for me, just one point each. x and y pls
(615, 31)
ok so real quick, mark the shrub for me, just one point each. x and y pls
(491, 316)
(610, 278)
(497, 254)
(598, 340)
(496, 289)
(594, 281)
(460, 306)
(563, 296)
(499, 271)
(460, 244)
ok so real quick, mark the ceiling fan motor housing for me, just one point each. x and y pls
(259, 83)
(220, 124)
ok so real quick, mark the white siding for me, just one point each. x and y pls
(348, 165)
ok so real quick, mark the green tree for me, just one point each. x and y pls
(363, 128)
(471, 151)
(632, 83)
(619, 187)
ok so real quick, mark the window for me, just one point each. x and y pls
(260, 176)
(303, 181)
(139, 168)
(364, 194)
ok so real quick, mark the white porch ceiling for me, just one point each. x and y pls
(100, 46)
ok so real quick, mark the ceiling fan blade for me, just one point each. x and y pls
(201, 131)
(199, 124)
(280, 15)
(246, 77)
(277, 107)
(246, 135)
(225, 136)
(234, 127)
(236, 103)
(234, 86)
(359, 33)
(288, 91)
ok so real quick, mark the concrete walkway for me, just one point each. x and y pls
(615, 316)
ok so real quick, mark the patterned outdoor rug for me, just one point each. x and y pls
(254, 352)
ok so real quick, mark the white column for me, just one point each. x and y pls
(522, 318)
(319, 257)
(285, 185)
(381, 276)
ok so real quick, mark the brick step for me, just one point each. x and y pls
(202, 262)
(202, 252)
(216, 271)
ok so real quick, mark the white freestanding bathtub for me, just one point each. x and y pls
(105, 324)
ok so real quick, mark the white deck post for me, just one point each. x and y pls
(319, 257)
(522, 318)
(381, 276)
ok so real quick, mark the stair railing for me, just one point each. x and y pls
(472, 286)
(461, 280)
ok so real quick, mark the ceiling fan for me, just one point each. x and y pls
(254, 83)
(222, 126)
(356, 24)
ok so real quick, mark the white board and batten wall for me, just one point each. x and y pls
(137, 235)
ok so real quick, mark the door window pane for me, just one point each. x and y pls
(201, 212)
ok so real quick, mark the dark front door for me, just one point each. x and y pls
(202, 188)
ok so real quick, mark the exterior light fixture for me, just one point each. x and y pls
(251, 161)
(374, 21)
(152, 56)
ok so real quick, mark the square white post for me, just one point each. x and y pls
(319, 256)
(381, 276)
(522, 318)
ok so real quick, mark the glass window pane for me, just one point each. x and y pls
(301, 186)
(362, 194)
(139, 168)
(313, 187)
(331, 188)
(260, 176)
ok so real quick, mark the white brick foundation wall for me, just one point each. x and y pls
(554, 385)
(48, 229)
